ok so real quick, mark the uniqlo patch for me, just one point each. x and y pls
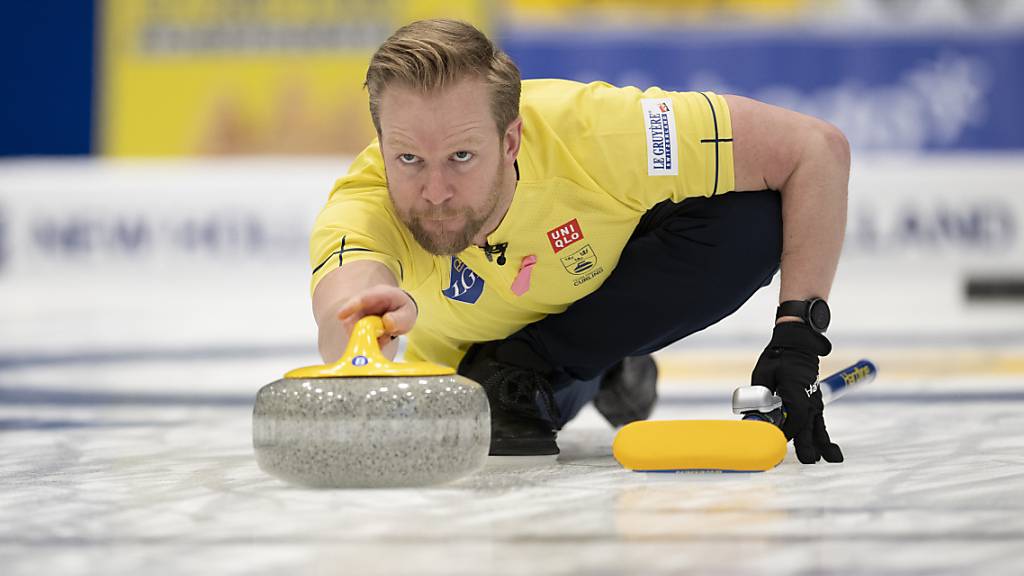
(565, 235)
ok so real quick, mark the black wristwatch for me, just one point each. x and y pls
(814, 312)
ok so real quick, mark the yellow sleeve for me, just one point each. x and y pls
(644, 147)
(357, 223)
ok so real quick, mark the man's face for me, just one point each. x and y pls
(445, 163)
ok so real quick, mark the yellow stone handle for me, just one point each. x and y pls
(362, 357)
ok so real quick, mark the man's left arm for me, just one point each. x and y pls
(808, 161)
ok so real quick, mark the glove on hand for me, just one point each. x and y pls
(789, 367)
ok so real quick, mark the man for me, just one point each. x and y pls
(547, 246)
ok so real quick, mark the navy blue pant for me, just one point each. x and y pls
(686, 266)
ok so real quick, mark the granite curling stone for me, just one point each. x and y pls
(367, 422)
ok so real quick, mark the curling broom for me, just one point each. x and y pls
(754, 444)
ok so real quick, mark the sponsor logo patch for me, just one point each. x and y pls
(566, 234)
(465, 285)
(662, 145)
(580, 261)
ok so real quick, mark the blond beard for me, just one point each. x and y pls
(453, 241)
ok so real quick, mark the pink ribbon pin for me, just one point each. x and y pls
(522, 282)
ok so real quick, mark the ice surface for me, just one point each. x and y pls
(147, 467)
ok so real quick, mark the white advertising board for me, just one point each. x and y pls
(213, 253)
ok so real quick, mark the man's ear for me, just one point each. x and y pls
(512, 139)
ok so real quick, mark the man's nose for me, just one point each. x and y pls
(437, 189)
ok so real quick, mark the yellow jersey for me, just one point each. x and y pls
(593, 159)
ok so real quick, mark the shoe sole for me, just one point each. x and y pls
(523, 447)
(518, 462)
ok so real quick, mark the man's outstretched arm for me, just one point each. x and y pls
(355, 290)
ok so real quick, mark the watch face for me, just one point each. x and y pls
(819, 315)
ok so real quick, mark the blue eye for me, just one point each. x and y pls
(407, 158)
(462, 156)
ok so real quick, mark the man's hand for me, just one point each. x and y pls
(789, 367)
(396, 307)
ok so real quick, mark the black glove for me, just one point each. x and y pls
(789, 367)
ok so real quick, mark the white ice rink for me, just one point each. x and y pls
(147, 467)
(125, 432)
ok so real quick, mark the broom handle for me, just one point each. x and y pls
(850, 378)
(832, 388)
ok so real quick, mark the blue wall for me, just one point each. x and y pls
(46, 100)
(900, 91)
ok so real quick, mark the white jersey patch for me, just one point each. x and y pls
(662, 145)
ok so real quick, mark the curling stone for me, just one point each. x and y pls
(367, 422)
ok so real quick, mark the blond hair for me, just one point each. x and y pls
(431, 54)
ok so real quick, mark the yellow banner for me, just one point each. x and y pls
(202, 77)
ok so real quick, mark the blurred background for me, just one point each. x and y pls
(161, 161)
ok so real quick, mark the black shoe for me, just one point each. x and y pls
(518, 427)
(629, 391)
